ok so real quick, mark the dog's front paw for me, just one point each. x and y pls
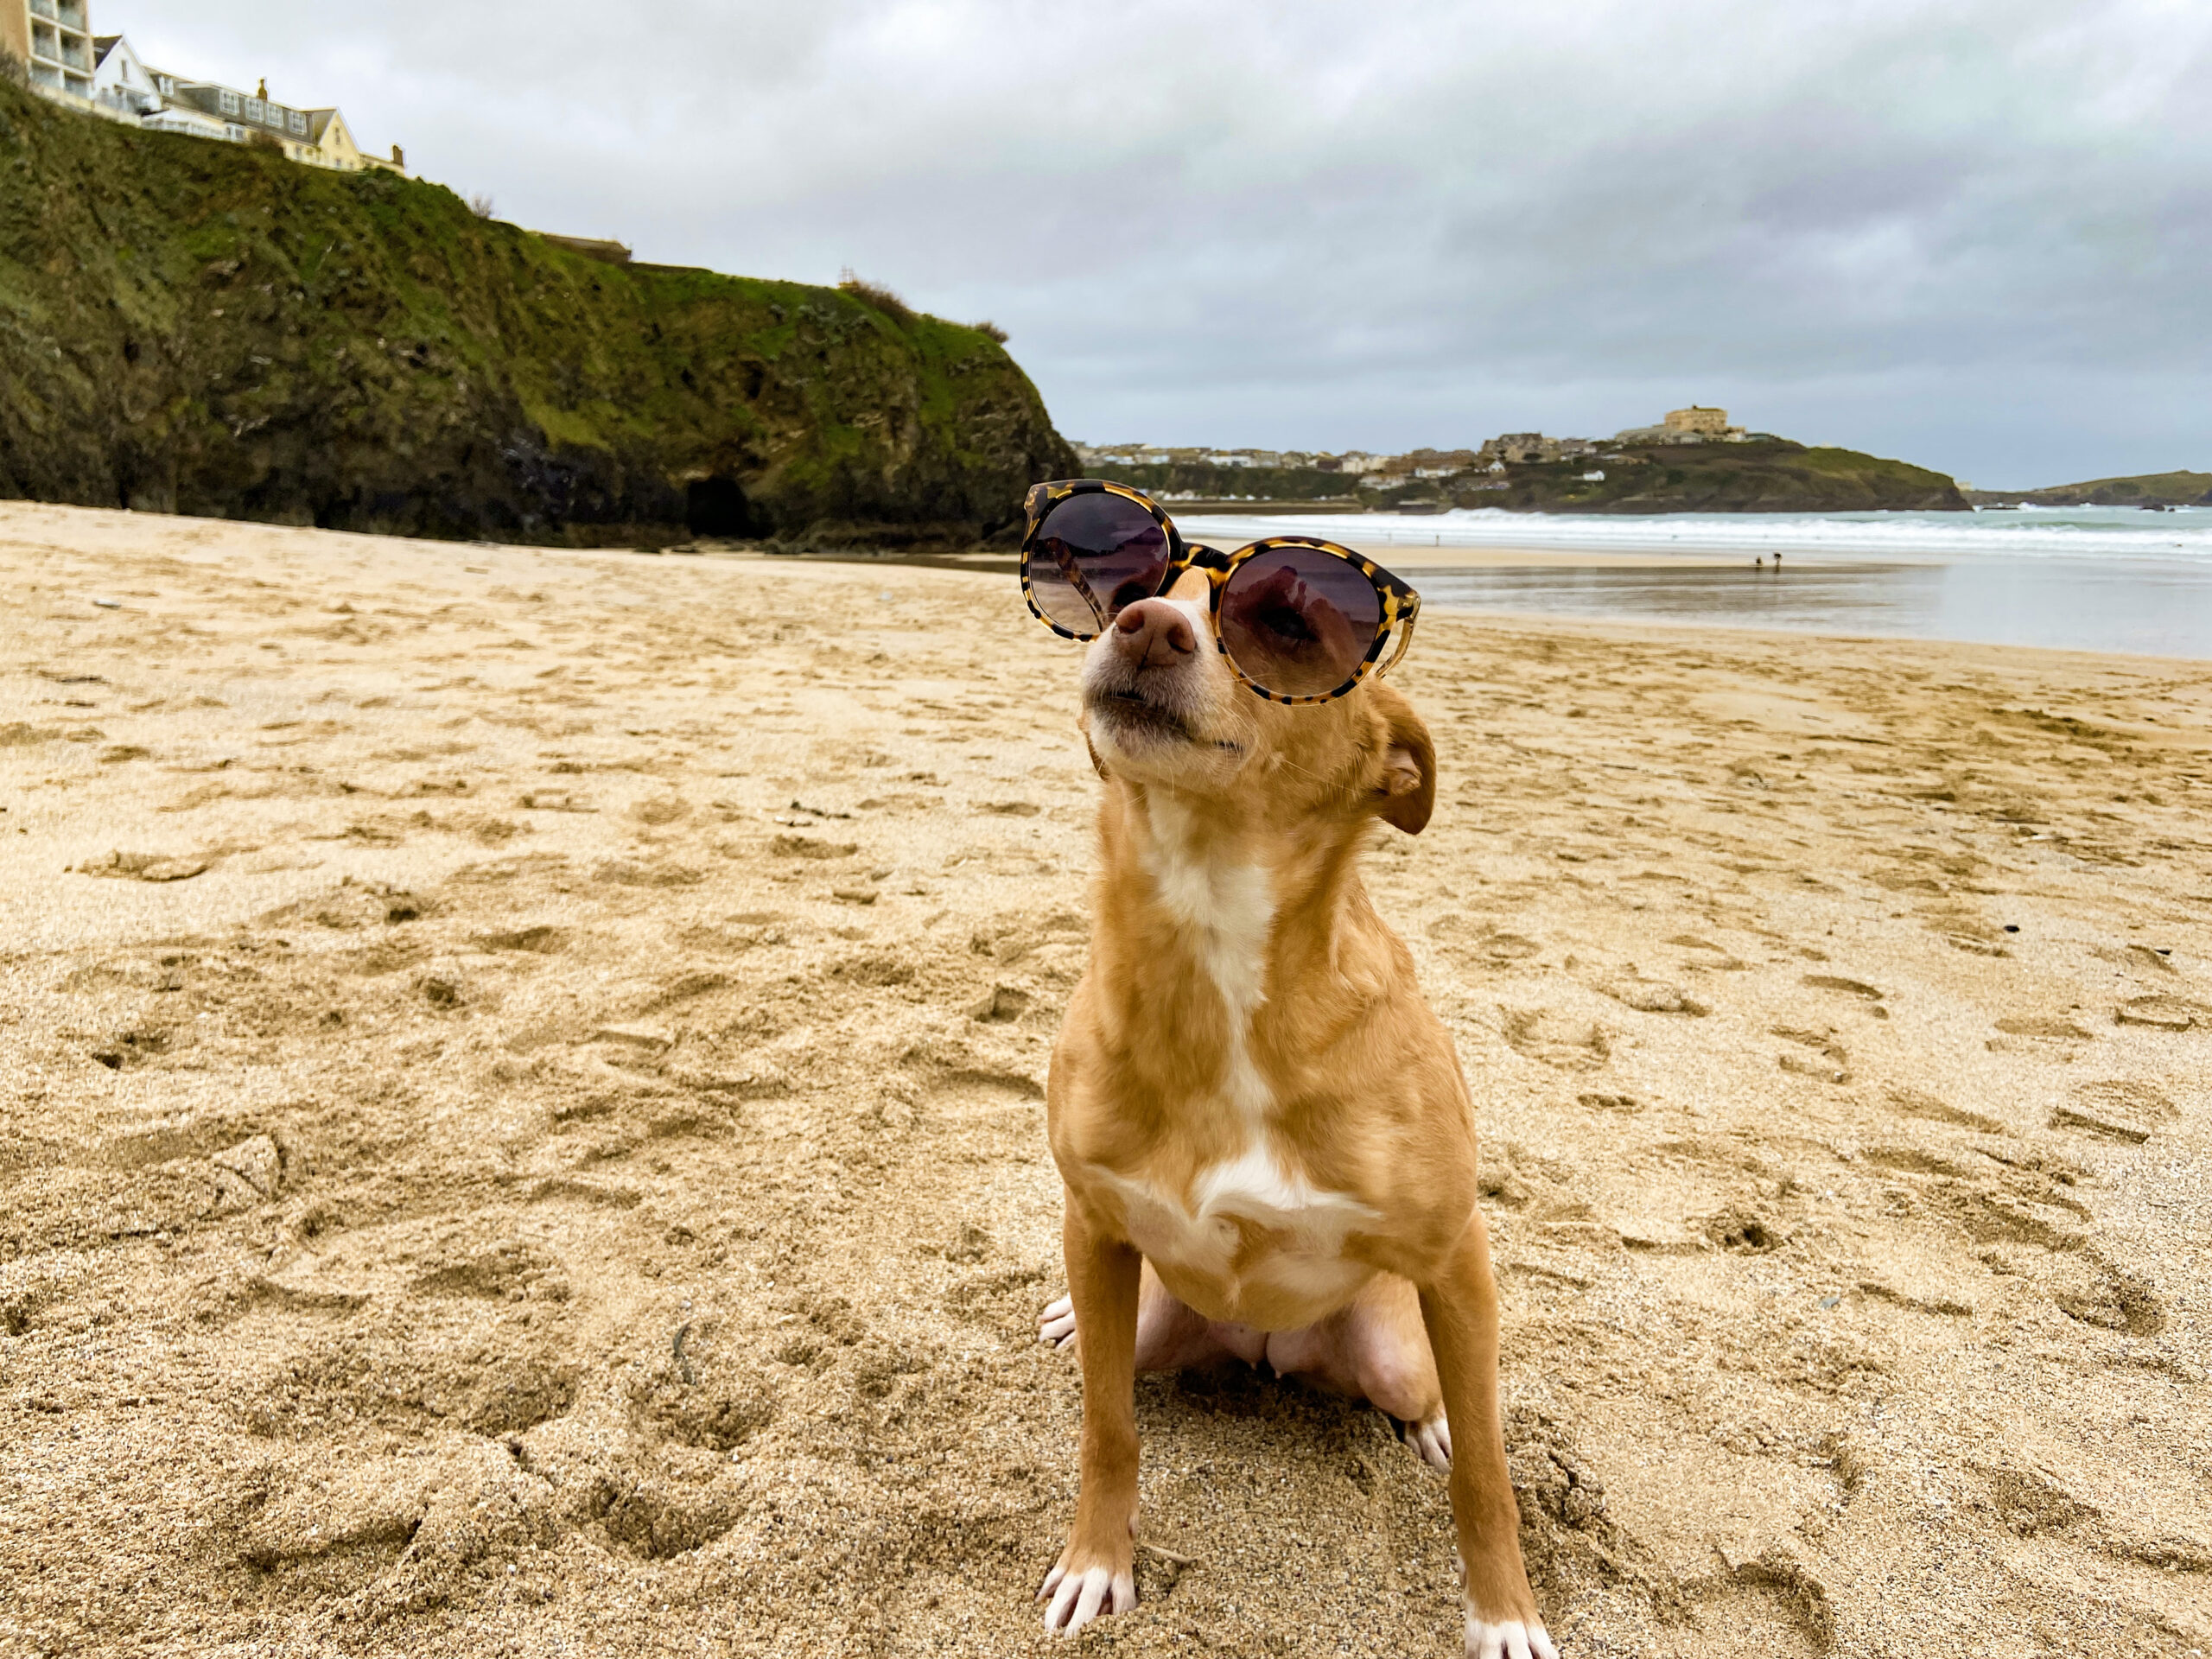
(1086, 1585)
(1506, 1638)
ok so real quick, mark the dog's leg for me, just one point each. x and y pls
(1096, 1571)
(1461, 1309)
(1172, 1336)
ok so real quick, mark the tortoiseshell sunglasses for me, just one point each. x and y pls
(1300, 620)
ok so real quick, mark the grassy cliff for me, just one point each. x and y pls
(206, 328)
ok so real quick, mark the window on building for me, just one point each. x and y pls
(299, 122)
(230, 103)
(168, 84)
(253, 109)
(236, 134)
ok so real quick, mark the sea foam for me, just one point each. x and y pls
(2068, 532)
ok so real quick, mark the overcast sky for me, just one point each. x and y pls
(1974, 234)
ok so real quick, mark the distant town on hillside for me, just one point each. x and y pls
(1695, 425)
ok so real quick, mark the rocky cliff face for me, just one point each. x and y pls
(202, 328)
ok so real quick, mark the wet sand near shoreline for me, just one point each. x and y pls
(522, 1128)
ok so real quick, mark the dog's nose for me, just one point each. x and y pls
(1152, 633)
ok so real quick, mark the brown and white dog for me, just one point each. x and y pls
(1267, 1146)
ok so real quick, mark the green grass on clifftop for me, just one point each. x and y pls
(206, 328)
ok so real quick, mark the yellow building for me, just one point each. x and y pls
(54, 38)
(207, 109)
(1703, 422)
(1696, 424)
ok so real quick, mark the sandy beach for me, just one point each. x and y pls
(522, 1127)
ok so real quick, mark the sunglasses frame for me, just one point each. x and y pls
(1401, 604)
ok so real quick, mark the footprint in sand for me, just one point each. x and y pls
(810, 847)
(1470, 933)
(624, 872)
(2111, 1299)
(2116, 1109)
(2041, 1025)
(1742, 1233)
(1566, 1043)
(1610, 1103)
(1834, 1064)
(555, 800)
(1712, 957)
(146, 867)
(1652, 996)
(131, 1047)
(2035, 1034)
(1836, 982)
(1914, 1102)
(2162, 1014)
(539, 941)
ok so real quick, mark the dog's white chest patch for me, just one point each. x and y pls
(1226, 913)
(1264, 1237)
(1304, 1229)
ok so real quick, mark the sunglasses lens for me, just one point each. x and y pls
(1106, 544)
(1299, 622)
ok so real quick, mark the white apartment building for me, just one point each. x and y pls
(54, 40)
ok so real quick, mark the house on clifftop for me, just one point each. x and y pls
(207, 109)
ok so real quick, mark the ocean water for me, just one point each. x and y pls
(2088, 579)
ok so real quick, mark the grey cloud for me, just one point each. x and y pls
(1972, 234)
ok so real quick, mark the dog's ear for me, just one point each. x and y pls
(1406, 793)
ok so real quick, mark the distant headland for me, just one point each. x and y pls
(2148, 490)
(1693, 461)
